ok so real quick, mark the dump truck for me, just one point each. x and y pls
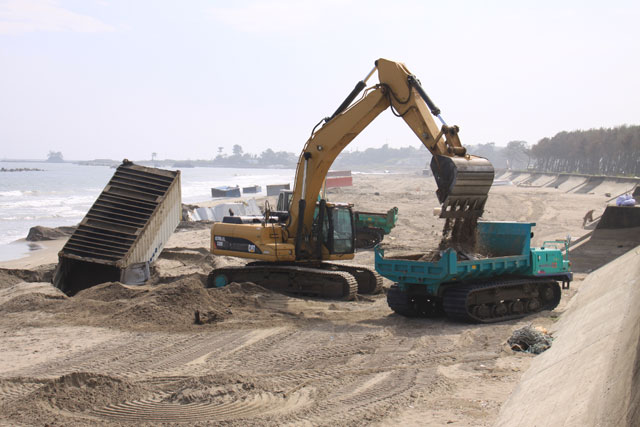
(511, 280)
(371, 227)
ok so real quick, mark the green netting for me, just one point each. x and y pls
(530, 340)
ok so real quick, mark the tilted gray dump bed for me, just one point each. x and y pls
(124, 231)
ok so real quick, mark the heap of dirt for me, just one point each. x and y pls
(171, 306)
(459, 234)
(42, 273)
(7, 278)
(435, 256)
(31, 302)
(238, 294)
(77, 392)
(111, 291)
(216, 388)
(179, 262)
(164, 306)
(23, 295)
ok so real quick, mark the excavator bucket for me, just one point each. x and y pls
(463, 185)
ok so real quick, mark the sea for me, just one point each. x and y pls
(62, 193)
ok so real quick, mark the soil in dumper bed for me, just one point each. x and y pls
(459, 234)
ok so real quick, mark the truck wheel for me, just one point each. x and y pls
(533, 305)
(499, 310)
(481, 311)
(547, 294)
(516, 307)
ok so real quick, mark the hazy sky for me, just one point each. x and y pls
(115, 79)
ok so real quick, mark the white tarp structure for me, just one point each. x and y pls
(216, 213)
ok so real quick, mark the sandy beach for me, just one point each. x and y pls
(120, 355)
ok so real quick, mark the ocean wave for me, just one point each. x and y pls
(47, 202)
(12, 193)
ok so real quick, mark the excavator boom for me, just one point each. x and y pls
(463, 180)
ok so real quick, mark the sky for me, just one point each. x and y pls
(114, 79)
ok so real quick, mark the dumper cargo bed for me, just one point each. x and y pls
(448, 268)
(507, 242)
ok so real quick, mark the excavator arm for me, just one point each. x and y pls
(463, 180)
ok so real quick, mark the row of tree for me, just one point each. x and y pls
(267, 159)
(384, 157)
(613, 151)
(371, 158)
(516, 155)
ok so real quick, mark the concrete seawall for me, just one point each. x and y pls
(591, 374)
(571, 183)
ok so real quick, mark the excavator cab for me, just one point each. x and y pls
(333, 228)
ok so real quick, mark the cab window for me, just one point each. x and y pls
(342, 231)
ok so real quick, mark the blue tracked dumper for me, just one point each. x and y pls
(514, 281)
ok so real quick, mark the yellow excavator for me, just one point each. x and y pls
(291, 249)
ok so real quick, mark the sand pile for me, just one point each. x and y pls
(165, 306)
(7, 278)
(23, 294)
(218, 388)
(112, 291)
(178, 262)
(42, 273)
(77, 392)
(171, 306)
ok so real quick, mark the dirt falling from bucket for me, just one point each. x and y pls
(459, 234)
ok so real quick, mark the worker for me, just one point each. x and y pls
(587, 218)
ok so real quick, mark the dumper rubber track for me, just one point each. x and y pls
(369, 281)
(413, 305)
(289, 279)
(500, 300)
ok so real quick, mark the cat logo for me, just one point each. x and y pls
(251, 248)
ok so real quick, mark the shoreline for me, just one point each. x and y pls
(47, 253)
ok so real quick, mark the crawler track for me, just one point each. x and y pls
(369, 281)
(413, 306)
(485, 302)
(496, 301)
(289, 279)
